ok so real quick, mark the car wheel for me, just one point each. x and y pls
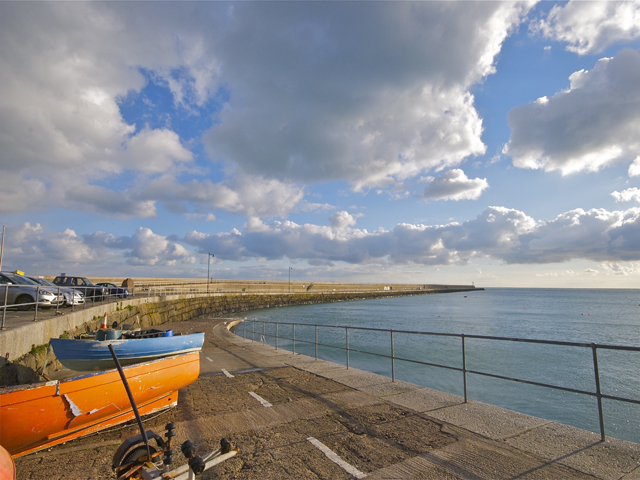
(22, 300)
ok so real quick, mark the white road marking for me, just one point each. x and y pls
(209, 359)
(350, 469)
(260, 399)
(227, 373)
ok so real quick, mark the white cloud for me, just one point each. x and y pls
(500, 233)
(241, 195)
(634, 168)
(593, 124)
(628, 195)
(393, 104)
(368, 93)
(454, 185)
(590, 27)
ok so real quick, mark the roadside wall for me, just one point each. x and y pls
(24, 345)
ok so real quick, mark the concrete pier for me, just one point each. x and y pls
(297, 418)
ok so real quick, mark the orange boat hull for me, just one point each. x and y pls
(39, 416)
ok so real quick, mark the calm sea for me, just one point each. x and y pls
(601, 316)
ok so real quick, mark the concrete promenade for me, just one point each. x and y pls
(296, 418)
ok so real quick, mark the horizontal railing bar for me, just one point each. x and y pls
(529, 382)
(458, 335)
(474, 372)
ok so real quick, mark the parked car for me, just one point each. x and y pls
(21, 291)
(95, 292)
(72, 296)
(114, 290)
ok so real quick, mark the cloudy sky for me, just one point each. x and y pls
(427, 142)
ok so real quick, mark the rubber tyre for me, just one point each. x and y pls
(24, 299)
(133, 455)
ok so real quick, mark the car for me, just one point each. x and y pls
(114, 290)
(22, 292)
(72, 296)
(95, 292)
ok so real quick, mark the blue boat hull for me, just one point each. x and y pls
(94, 355)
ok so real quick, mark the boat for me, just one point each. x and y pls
(7, 467)
(38, 416)
(93, 354)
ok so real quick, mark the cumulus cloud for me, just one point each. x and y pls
(628, 195)
(590, 27)
(505, 234)
(393, 104)
(367, 93)
(454, 185)
(594, 123)
(501, 233)
(36, 249)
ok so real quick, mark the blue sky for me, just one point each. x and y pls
(424, 142)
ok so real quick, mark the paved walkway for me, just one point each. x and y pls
(296, 418)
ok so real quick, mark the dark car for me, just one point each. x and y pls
(90, 290)
(114, 290)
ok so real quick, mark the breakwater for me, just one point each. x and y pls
(26, 345)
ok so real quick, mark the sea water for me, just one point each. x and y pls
(600, 316)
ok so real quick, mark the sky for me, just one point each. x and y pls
(494, 143)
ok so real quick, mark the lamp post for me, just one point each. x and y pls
(290, 268)
(209, 255)
(2, 247)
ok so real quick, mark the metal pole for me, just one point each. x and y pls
(347, 339)
(598, 392)
(2, 247)
(316, 343)
(393, 361)
(131, 400)
(35, 314)
(276, 336)
(58, 302)
(253, 330)
(4, 310)
(294, 339)
(208, 262)
(464, 370)
(290, 279)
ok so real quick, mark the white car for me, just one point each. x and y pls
(20, 291)
(71, 296)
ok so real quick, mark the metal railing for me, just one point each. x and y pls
(59, 302)
(464, 370)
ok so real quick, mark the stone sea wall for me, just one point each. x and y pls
(26, 365)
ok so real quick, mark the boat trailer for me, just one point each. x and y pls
(137, 459)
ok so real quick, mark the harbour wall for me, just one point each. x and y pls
(26, 345)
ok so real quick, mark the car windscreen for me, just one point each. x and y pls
(20, 280)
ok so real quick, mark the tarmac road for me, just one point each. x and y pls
(294, 418)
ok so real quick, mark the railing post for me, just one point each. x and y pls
(316, 343)
(35, 314)
(253, 330)
(393, 362)
(464, 370)
(598, 392)
(244, 329)
(4, 310)
(57, 307)
(276, 336)
(347, 341)
(263, 339)
(294, 339)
